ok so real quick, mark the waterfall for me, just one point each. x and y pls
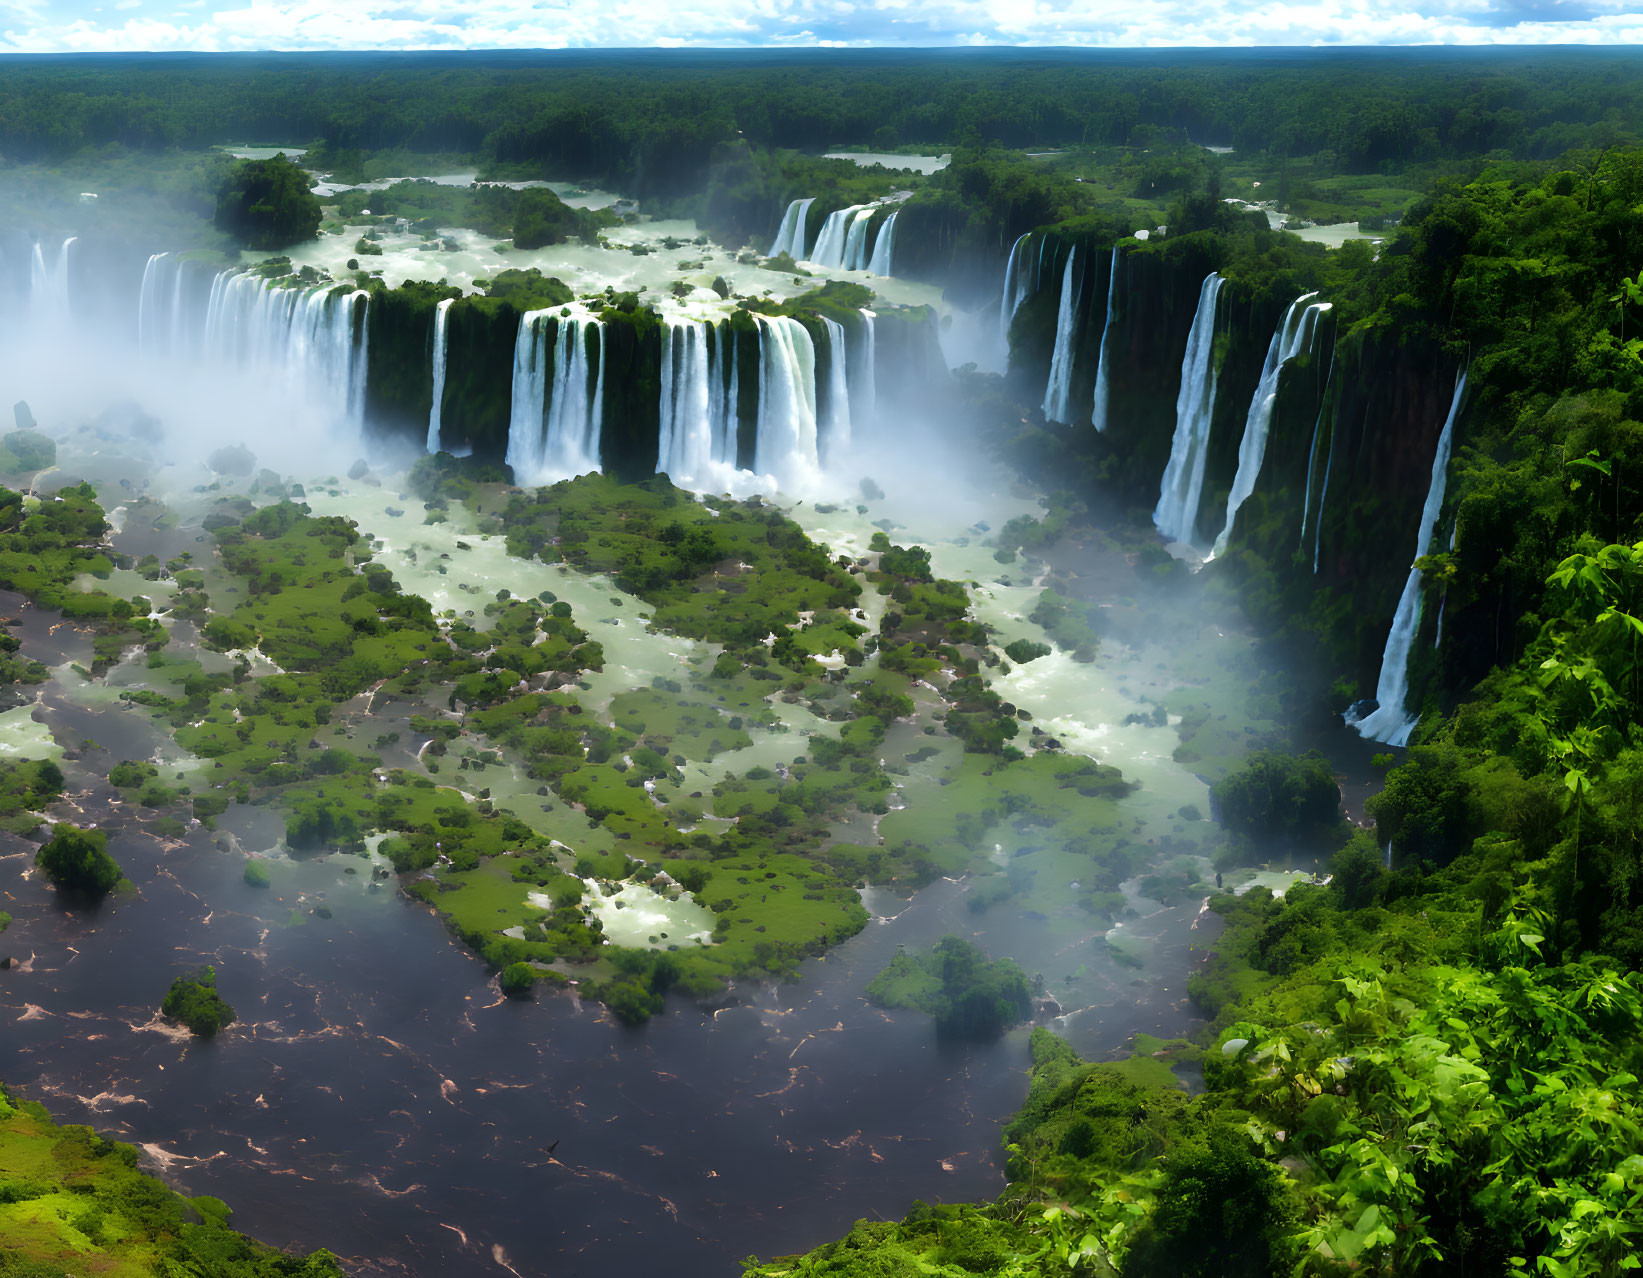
(829, 250)
(785, 447)
(1176, 515)
(790, 234)
(1443, 600)
(685, 445)
(148, 302)
(530, 389)
(1059, 387)
(1390, 722)
(727, 410)
(835, 433)
(866, 386)
(554, 430)
(884, 248)
(441, 313)
(1293, 335)
(1312, 456)
(48, 289)
(855, 240)
(1098, 410)
(308, 335)
(1015, 292)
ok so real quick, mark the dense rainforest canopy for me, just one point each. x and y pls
(653, 121)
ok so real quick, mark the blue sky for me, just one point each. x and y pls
(128, 25)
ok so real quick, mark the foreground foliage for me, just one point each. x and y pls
(74, 1203)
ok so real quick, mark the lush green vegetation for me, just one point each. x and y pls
(193, 1000)
(1281, 802)
(266, 204)
(72, 1202)
(968, 995)
(27, 788)
(77, 861)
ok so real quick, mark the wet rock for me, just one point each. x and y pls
(359, 469)
(236, 459)
(22, 416)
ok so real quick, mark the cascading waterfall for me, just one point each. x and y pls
(786, 436)
(829, 250)
(1443, 599)
(1176, 515)
(865, 386)
(834, 442)
(884, 248)
(441, 313)
(148, 302)
(1323, 494)
(1312, 456)
(1059, 387)
(685, 442)
(1098, 410)
(1390, 722)
(554, 431)
(790, 234)
(855, 240)
(1293, 335)
(48, 289)
(726, 392)
(1015, 292)
(309, 334)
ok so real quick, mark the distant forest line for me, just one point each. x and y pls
(650, 122)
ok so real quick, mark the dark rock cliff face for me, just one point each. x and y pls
(1376, 415)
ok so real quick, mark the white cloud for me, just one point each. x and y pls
(31, 26)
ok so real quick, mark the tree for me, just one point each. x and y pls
(78, 861)
(193, 1000)
(541, 217)
(266, 204)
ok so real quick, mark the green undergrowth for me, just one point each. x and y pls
(46, 545)
(72, 1202)
(967, 995)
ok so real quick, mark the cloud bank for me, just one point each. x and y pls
(39, 26)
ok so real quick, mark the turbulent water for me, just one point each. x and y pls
(1293, 336)
(1176, 515)
(1098, 409)
(1391, 722)
(1058, 390)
